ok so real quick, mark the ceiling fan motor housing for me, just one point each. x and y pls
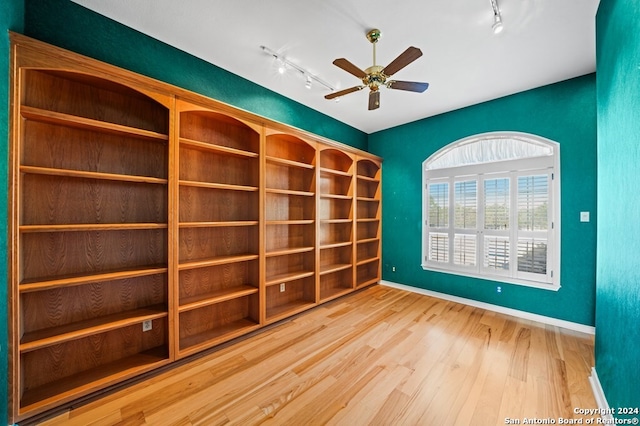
(375, 77)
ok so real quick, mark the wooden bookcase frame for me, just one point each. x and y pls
(148, 223)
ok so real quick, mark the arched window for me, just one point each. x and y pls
(491, 209)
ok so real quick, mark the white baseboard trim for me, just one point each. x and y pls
(495, 308)
(601, 400)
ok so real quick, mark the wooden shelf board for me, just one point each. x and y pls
(69, 388)
(368, 199)
(55, 335)
(290, 163)
(220, 260)
(78, 227)
(205, 146)
(369, 179)
(209, 338)
(202, 300)
(293, 250)
(335, 245)
(327, 221)
(335, 172)
(366, 261)
(367, 219)
(336, 267)
(336, 196)
(367, 282)
(48, 171)
(69, 120)
(283, 278)
(290, 222)
(218, 224)
(290, 192)
(71, 280)
(286, 310)
(213, 185)
(368, 240)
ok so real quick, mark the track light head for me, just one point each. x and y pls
(497, 26)
(284, 65)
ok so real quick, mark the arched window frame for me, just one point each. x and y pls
(464, 175)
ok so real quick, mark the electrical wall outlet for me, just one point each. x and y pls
(147, 325)
(282, 287)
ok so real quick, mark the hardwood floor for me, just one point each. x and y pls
(382, 357)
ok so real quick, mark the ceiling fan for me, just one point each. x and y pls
(376, 76)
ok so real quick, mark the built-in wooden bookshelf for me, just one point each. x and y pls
(219, 233)
(149, 223)
(336, 215)
(368, 221)
(290, 213)
(93, 265)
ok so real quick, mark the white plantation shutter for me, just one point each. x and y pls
(496, 253)
(494, 219)
(439, 205)
(438, 247)
(466, 204)
(465, 222)
(496, 204)
(533, 201)
(438, 196)
(532, 255)
(533, 223)
(464, 249)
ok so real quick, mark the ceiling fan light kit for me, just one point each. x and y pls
(377, 76)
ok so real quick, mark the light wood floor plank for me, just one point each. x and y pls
(381, 356)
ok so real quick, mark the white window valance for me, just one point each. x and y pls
(488, 148)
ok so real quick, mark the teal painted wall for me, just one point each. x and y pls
(618, 265)
(73, 27)
(564, 112)
(11, 17)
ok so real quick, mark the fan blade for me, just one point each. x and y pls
(411, 86)
(405, 58)
(374, 100)
(349, 67)
(344, 92)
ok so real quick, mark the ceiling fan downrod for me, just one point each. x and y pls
(373, 36)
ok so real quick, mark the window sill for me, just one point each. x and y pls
(496, 278)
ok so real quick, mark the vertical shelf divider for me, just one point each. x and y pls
(174, 220)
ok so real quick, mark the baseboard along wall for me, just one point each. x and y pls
(495, 308)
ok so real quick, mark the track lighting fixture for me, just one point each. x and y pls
(284, 64)
(497, 26)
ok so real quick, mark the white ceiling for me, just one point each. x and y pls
(544, 41)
